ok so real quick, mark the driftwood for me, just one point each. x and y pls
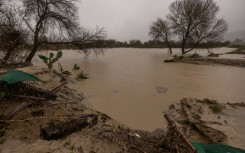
(23, 90)
(58, 129)
(180, 133)
(14, 111)
(29, 97)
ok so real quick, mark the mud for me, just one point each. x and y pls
(210, 61)
(201, 123)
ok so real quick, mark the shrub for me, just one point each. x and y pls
(216, 108)
(82, 76)
(240, 50)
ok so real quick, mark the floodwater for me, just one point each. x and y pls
(135, 86)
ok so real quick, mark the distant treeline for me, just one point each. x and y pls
(111, 43)
(160, 44)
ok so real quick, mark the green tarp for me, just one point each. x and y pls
(215, 148)
(16, 76)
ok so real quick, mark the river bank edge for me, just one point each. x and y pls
(208, 61)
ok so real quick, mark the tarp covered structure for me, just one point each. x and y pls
(216, 148)
(16, 76)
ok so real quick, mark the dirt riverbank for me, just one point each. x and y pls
(209, 121)
(209, 61)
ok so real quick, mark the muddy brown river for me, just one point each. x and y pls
(135, 87)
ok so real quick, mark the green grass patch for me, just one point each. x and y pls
(216, 108)
(69, 145)
(82, 75)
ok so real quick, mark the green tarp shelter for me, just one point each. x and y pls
(16, 76)
(216, 148)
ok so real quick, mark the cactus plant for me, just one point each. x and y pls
(49, 61)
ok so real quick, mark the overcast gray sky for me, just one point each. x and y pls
(130, 19)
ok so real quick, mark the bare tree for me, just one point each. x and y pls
(87, 40)
(12, 34)
(160, 30)
(195, 22)
(47, 17)
(55, 22)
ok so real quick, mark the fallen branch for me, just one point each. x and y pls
(58, 129)
(23, 90)
(172, 124)
(29, 97)
(53, 90)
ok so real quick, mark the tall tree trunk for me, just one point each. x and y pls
(32, 53)
(169, 47)
(35, 44)
(183, 45)
(185, 39)
(170, 50)
(183, 48)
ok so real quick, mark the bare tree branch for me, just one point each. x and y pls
(160, 30)
(85, 40)
(28, 24)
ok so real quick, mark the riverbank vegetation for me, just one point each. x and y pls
(239, 50)
(160, 44)
(135, 43)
